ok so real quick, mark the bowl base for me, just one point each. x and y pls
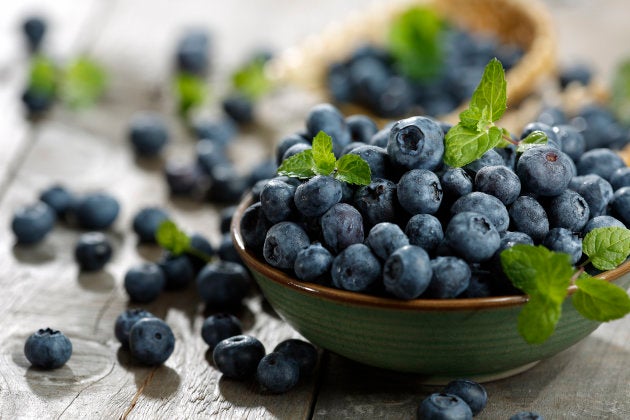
(488, 377)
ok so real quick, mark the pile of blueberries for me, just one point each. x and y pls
(369, 77)
(423, 229)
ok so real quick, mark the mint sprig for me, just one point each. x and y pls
(607, 247)
(414, 42)
(43, 75)
(251, 79)
(545, 276)
(83, 83)
(191, 92)
(170, 237)
(320, 160)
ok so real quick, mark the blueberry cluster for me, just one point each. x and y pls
(423, 229)
(92, 212)
(369, 77)
(460, 399)
(149, 339)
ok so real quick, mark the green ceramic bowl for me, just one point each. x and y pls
(441, 339)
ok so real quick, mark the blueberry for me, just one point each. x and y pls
(342, 226)
(544, 170)
(266, 169)
(620, 204)
(576, 73)
(277, 199)
(288, 142)
(148, 134)
(529, 216)
(59, 198)
(151, 341)
(425, 231)
(254, 226)
(595, 190)
(337, 80)
(395, 100)
(444, 407)
(126, 320)
(239, 108)
(500, 182)
(351, 146)
(416, 143)
(407, 272)
(144, 282)
(361, 127)
(238, 357)
(381, 137)
(203, 251)
(600, 222)
(37, 101)
(32, 223)
(218, 327)
(552, 138)
(314, 197)
(471, 392)
(327, 118)
(419, 191)
(185, 179)
(356, 268)
(620, 178)
(486, 204)
(223, 284)
(455, 183)
(227, 250)
(526, 415)
(295, 149)
(178, 271)
(96, 211)
(511, 238)
(377, 201)
(146, 222)
(568, 210)
(571, 141)
(472, 236)
(304, 353)
(34, 28)
(313, 263)
(602, 162)
(191, 54)
(48, 349)
(221, 132)
(552, 115)
(376, 158)
(226, 184)
(92, 251)
(282, 243)
(490, 158)
(563, 240)
(508, 153)
(277, 373)
(451, 276)
(385, 238)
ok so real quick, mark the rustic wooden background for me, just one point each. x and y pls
(41, 286)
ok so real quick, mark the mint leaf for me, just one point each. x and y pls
(353, 170)
(600, 300)
(490, 96)
(42, 76)
(607, 247)
(538, 318)
(533, 139)
(83, 83)
(251, 79)
(464, 144)
(414, 42)
(621, 91)
(300, 165)
(323, 155)
(191, 91)
(171, 238)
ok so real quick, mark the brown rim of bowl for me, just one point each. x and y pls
(353, 298)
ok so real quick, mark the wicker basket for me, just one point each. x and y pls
(526, 23)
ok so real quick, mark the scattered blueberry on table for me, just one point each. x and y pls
(48, 349)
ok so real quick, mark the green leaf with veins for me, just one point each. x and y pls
(171, 238)
(533, 139)
(300, 165)
(353, 170)
(43, 75)
(83, 83)
(191, 92)
(490, 96)
(607, 247)
(323, 155)
(599, 300)
(251, 79)
(538, 318)
(465, 144)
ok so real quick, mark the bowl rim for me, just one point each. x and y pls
(355, 298)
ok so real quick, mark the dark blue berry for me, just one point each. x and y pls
(48, 349)
(456, 183)
(377, 201)
(288, 142)
(227, 250)
(356, 268)
(191, 54)
(620, 204)
(218, 327)
(148, 134)
(568, 210)
(381, 137)
(226, 184)
(304, 353)
(96, 211)
(579, 73)
(277, 199)
(178, 271)
(526, 415)
(254, 226)
(544, 170)
(529, 216)
(185, 179)
(571, 141)
(490, 158)
(419, 191)
(125, 321)
(563, 240)
(283, 242)
(327, 118)
(203, 251)
(376, 158)
(485, 204)
(552, 115)
(444, 407)
(473, 393)
(92, 251)
(451, 276)
(473, 236)
(34, 28)
(151, 341)
(602, 162)
(313, 263)
(59, 198)
(342, 226)
(238, 357)
(32, 223)
(595, 190)
(37, 101)
(499, 181)
(416, 143)
(146, 222)
(314, 197)
(277, 373)
(223, 284)
(600, 222)
(144, 282)
(407, 272)
(362, 128)
(385, 238)
(425, 231)
(220, 132)
(620, 178)
(239, 108)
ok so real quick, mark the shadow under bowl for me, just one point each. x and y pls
(439, 338)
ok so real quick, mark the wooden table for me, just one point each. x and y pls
(41, 286)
